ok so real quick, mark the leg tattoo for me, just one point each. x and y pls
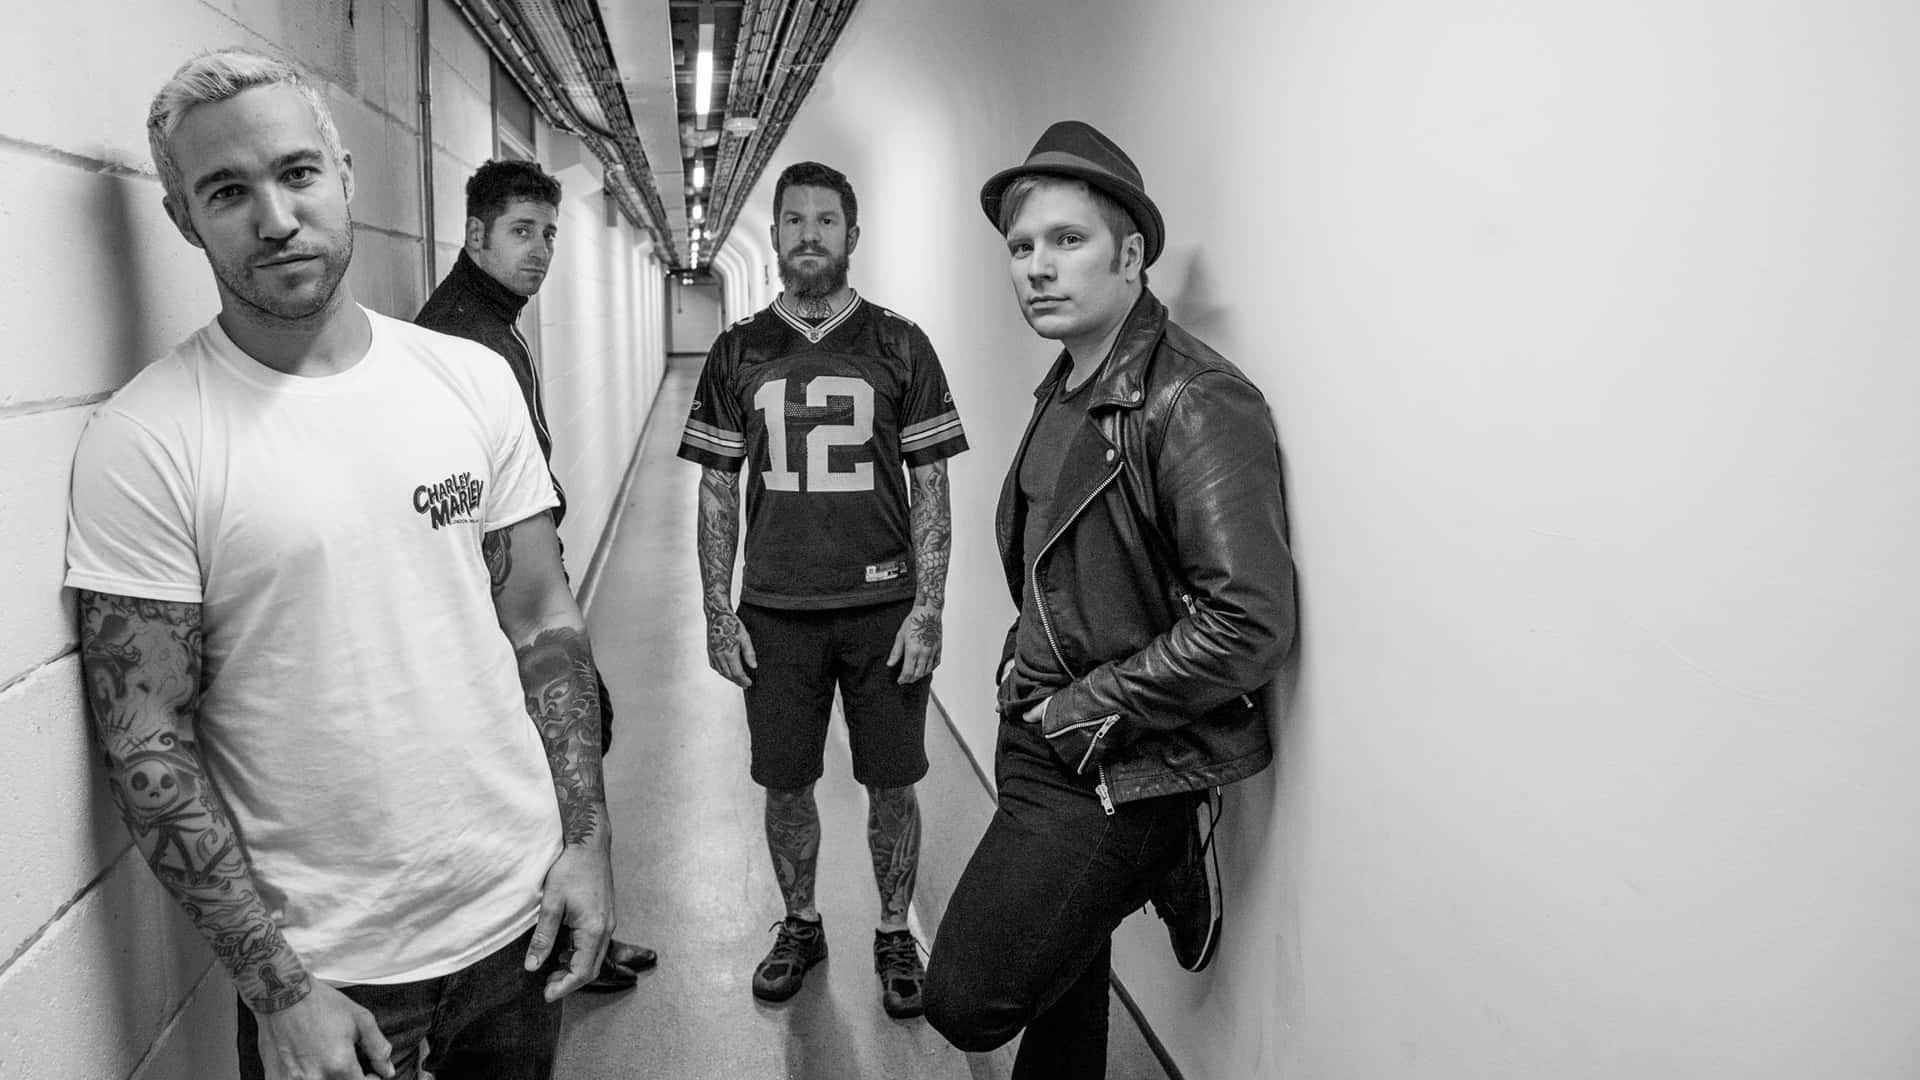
(893, 837)
(793, 838)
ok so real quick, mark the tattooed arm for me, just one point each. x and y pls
(729, 648)
(916, 648)
(539, 616)
(142, 660)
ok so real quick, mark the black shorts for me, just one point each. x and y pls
(803, 655)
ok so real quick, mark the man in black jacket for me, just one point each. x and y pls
(513, 209)
(1143, 535)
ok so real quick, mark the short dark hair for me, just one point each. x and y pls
(497, 183)
(1118, 221)
(814, 174)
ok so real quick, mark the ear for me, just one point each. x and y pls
(346, 173)
(181, 220)
(853, 238)
(773, 235)
(476, 234)
(1133, 256)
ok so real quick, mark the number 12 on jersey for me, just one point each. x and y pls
(782, 475)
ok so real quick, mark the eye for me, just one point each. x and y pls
(300, 175)
(1020, 249)
(225, 194)
(1071, 239)
(520, 231)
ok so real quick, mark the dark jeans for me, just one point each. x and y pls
(487, 1021)
(1027, 934)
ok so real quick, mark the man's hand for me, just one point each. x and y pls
(916, 648)
(1037, 713)
(316, 1039)
(730, 648)
(579, 895)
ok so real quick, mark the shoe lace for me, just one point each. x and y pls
(895, 954)
(787, 944)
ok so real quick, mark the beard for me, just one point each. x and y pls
(257, 289)
(805, 284)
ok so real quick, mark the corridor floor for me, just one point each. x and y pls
(690, 859)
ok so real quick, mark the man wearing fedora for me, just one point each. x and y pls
(1143, 535)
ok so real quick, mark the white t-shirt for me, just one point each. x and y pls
(363, 714)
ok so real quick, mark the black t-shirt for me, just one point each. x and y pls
(1061, 418)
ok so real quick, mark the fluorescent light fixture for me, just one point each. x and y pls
(699, 212)
(699, 173)
(703, 77)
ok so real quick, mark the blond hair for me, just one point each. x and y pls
(218, 76)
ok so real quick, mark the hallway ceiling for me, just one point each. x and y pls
(620, 75)
(766, 54)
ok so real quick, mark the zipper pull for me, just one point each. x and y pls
(1100, 789)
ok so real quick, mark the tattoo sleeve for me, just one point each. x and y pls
(142, 660)
(718, 543)
(496, 548)
(563, 698)
(931, 524)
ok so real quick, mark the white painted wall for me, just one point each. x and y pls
(694, 319)
(100, 976)
(1589, 331)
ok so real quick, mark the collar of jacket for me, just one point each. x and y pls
(504, 301)
(1123, 383)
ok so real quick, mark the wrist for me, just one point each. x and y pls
(280, 993)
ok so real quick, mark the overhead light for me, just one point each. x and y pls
(703, 76)
(742, 125)
(699, 173)
(699, 211)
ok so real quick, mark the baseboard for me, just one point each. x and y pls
(591, 579)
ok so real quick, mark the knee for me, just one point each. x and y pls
(964, 1019)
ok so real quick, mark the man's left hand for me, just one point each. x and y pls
(579, 895)
(916, 648)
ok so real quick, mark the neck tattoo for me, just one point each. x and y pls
(815, 307)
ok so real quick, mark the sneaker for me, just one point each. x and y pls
(1189, 898)
(896, 959)
(799, 945)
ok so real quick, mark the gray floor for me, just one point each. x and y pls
(690, 858)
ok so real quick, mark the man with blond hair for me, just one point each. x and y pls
(312, 551)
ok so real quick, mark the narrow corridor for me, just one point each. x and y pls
(690, 860)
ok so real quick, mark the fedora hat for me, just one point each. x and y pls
(1077, 149)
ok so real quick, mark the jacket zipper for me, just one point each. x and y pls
(1193, 610)
(1033, 571)
(1100, 789)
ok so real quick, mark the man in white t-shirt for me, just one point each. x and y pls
(320, 598)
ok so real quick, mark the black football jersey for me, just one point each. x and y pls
(826, 418)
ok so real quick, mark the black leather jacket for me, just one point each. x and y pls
(1166, 589)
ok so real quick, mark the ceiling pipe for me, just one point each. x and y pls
(509, 37)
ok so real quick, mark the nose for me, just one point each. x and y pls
(275, 218)
(1040, 264)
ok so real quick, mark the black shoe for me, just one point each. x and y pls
(896, 959)
(621, 967)
(1189, 898)
(632, 957)
(798, 946)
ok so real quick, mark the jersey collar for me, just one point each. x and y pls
(813, 333)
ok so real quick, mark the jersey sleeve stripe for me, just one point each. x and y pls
(699, 440)
(718, 436)
(927, 432)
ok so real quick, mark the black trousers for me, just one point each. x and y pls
(1027, 936)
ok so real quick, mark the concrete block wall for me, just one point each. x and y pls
(101, 977)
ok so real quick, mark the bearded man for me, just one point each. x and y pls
(834, 407)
